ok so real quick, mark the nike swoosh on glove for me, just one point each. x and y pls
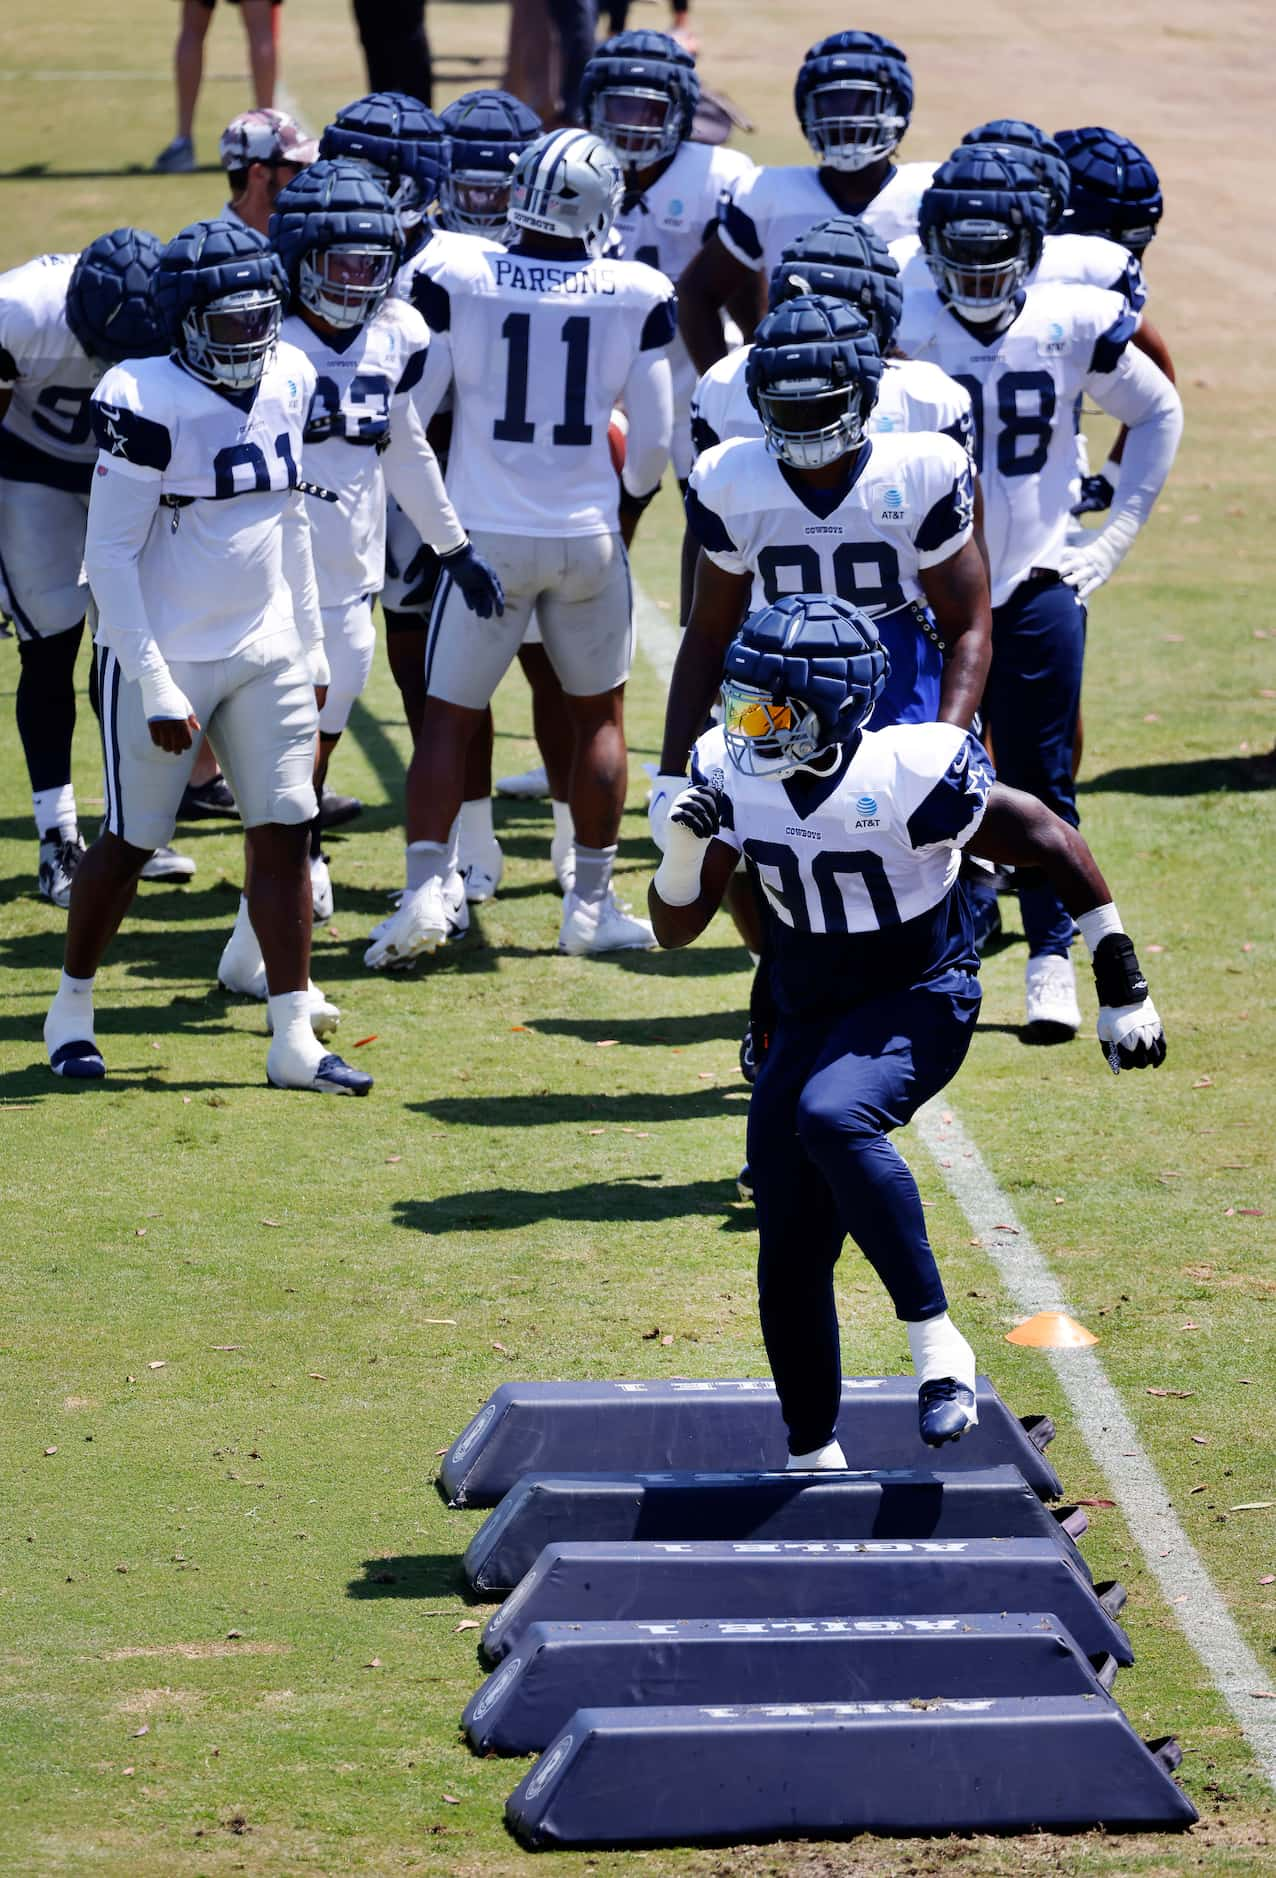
(477, 579)
(1131, 1036)
(665, 789)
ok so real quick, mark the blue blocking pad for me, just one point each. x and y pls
(631, 1776)
(644, 1427)
(557, 1668)
(602, 1581)
(896, 1503)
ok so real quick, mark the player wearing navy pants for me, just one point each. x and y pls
(1031, 703)
(827, 1095)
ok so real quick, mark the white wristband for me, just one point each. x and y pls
(1098, 923)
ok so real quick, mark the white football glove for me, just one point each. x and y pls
(162, 696)
(695, 816)
(317, 669)
(664, 788)
(1131, 1036)
(1088, 564)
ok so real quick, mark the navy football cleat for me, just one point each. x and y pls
(79, 1061)
(332, 1077)
(945, 1411)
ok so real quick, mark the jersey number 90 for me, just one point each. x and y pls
(851, 888)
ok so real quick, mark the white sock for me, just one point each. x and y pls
(940, 1350)
(829, 1456)
(295, 1051)
(474, 823)
(243, 945)
(593, 871)
(453, 862)
(425, 860)
(55, 808)
(70, 1018)
(563, 823)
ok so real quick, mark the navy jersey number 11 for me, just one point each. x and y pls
(514, 426)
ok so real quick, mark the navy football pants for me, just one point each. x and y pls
(828, 1094)
(1031, 703)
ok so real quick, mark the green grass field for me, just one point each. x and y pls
(239, 1327)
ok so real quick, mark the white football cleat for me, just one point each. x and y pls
(167, 864)
(483, 866)
(59, 859)
(324, 1015)
(529, 785)
(320, 888)
(421, 924)
(456, 905)
(1052, 1012)
(600, 926)
(818, 1461)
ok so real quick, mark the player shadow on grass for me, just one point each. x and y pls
(413, 1575)
(677, 1031)
(543, 1109)
(1193, 776)
(634, 1199)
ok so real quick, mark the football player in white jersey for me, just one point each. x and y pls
(198, 555)
(843, 260)
(816, 505)
(639, 93)
(855, 838)
(854, 97)
(1026, 353)
(538, 344)
(63, 319)
(340, 243)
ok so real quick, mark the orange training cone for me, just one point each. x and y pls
(1052, 1330)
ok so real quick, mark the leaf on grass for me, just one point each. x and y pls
(233, 1636)
(1191, 1324)
(1203, 1082)
(439, 1452)
(518, 1026)
(451, 1799)
(376, 1663)
(649, 1336)
(501, 1348)
(642, 1134)
(440, 1320)
(392, 1160)
(1182, 1394)
(606, 1043)
(1202, 1488)
(1251, 1212)
(225, 1346)
(267, 1222)
(1202, 1441)
(128, 1770)
(468, 1623)
(1259, 1695)
(705, 1075)
(1252, 1506)
(666, 1340)
(946, 1117)
(1096, 1502)
(1268, 1578)
(598, 1131)
(1154, 720)
(1000, 1227)
(143, 1730)
(159, 1363)
(360, 1041)
(50, 1450)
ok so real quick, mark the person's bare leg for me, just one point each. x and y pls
(261, 23)
(188, 62)
(105, 883)
(278, 889)
(551, 719)
(206, 766)
(405, 650)
(600, 767)
(436, 774)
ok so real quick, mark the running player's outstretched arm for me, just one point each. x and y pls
(1142, 397)
(694, 870)
(122, 507)
(1021, 832)
(957, 593)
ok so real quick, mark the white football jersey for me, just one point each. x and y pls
(1023, 385)
(910, 504)
(666, 227)
(47, 432)
(359, 390)
(912, 396)
(773, 206)
(538, 352)
(857, 867)
(1080, 260)
(211, 570)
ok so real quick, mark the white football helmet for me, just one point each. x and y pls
(570, 184)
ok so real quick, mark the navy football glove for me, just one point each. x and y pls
(480, 587)
(699, 809)
(1130, 1031)
(1096, 495)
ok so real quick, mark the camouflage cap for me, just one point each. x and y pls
(266, 136)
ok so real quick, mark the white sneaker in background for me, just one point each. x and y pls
(1052, 1014)
(320, 888)
(529, 784)
(420, 925)
(600, 926)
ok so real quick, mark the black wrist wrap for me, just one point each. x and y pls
(1117, 974)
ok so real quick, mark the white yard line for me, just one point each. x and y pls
(1110, 1436)
(1096, 1406)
